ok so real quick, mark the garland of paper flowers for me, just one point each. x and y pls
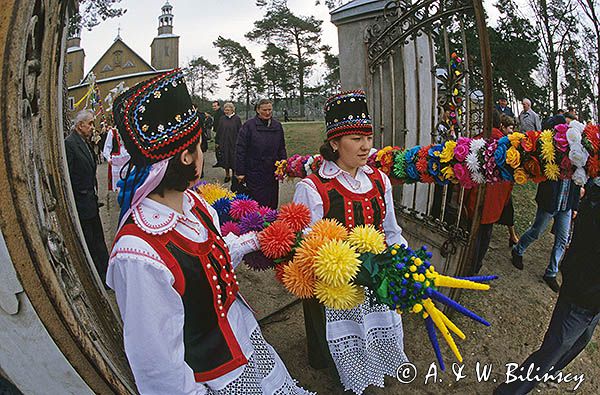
(566, 152)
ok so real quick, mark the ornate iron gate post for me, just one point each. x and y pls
(398, 67)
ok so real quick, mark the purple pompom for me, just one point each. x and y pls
(251, 222)
(256, 260)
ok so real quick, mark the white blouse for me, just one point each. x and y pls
(306, 193)
(151, 309)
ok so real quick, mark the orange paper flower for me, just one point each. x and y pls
(297, 281)
(277, 240)
(328, 229)
(296, 215)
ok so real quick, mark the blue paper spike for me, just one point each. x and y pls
(456, 306)
(478, 279)
(434, 341)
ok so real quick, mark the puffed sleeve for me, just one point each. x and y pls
(393, 231)
(108, 145)
(153, 316)
(238, 245)
(307, 194)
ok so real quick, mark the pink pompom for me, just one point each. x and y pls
(230, 227)
(240, 208)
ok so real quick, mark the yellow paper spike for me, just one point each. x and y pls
(434, 313)
(452, 326)
(445, 281)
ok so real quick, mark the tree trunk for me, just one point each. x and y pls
(300, 75)
(551, 56)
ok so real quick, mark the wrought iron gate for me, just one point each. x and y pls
(423, 82)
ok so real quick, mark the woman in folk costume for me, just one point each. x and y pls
(365, 343)
(187, 330)
(116, 155)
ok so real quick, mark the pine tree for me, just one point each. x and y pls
(243, 75)
(299, 35)
(201, 76)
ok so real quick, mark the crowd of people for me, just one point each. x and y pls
(187, 330)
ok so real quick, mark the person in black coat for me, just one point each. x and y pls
(82, 170)
(229, 127)
(217, 114)
(260, 144)
(577, 309)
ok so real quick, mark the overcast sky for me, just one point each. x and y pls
(198, 23)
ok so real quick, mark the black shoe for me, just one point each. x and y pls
(552, 283)
(517, 260)
(227, 179)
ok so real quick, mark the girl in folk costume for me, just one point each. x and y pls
(365, 343)
(187, 330)
(116, 155)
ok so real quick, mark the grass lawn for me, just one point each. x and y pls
(304, 137)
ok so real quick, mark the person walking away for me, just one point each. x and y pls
(216, 115)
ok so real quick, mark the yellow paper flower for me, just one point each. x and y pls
(547, 146)
(448, 173)
(448, 151)
(366, 238)
(328, 229)
(346, 296)
(515, 138)
(213, 192)
(280, 167)
(520, 176)
(513, 157)
(336, 263)
(297, 281)
(552, 171)
(383, 152)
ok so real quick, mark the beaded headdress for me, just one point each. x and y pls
(347, 113)
(156, 118)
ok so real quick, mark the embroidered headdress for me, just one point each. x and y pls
(347, 113)
(157, 119)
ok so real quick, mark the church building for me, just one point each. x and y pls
(120, 67)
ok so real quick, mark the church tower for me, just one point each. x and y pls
(74, 59)
(165, 46)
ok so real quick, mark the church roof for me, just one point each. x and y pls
(128, 56)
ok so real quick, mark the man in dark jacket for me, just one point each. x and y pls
(556, 200)
(216, 115)
(82, 170)
(259, 145)
(577, 310)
